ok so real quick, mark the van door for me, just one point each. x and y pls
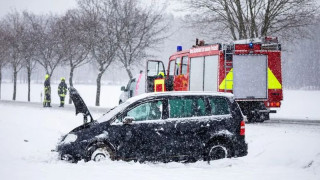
(154, 68)
(143, 138)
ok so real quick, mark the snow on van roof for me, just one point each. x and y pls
(180, 93)
(122, 106)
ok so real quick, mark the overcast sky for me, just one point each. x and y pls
(36, 6)
(54, 6)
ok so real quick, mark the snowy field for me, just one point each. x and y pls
(29, 132)
(297, 104)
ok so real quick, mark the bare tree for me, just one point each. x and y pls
(3, 52)
(14, 31)
(138, 29)
(241, 19)
(74, 42)
(29, 45)
(98, 24)
(49, 52)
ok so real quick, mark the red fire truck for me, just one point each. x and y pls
(250, 69)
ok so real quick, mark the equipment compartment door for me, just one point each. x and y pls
(203, 73)
(250, 76)
(196, 74)
(210, 73)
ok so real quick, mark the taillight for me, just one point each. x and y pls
(242, 128)
(274, 104)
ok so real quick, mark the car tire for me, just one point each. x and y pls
(102, 153)
(217, 151)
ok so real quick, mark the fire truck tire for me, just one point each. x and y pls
(257, 117)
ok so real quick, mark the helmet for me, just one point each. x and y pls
(63, 79)
(46, 76)
(161, 74)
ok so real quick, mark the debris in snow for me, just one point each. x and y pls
(25, 140)
(309, 165)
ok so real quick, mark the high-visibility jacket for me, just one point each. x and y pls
(62, 89)
(47, 91)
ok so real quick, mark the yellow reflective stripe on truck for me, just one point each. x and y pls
(273, 82)
(228, 80)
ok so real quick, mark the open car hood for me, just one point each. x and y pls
(79, 104)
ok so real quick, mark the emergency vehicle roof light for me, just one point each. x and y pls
(251, 45)
(179, 48)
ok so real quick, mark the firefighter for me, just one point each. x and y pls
(160, 75)
(159, 83)
(62, 91)
(47, 92)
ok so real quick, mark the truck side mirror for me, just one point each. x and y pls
(123, 88)
(128, 120)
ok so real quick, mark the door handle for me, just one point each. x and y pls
(158, 131)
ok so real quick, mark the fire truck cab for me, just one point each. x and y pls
(250, 69)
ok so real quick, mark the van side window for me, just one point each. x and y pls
(146, 111)
(184, 65)
(171, 70)
(219, 106)
(186, 107)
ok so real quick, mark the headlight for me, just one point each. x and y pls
(69, 139)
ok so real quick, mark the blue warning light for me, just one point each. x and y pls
(179, 48)
(251, 45)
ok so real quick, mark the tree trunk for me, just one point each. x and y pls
(266, 20)
(15, 73)
(29, 82)
(242, 28)
(253, 27)
(230, 22)
(129, 72)
(71, 82)
(98, 88)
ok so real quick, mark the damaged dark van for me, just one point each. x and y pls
(159, 127)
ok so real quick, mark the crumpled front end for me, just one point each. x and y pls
(70, 150)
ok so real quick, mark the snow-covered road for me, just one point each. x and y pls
(28, 133)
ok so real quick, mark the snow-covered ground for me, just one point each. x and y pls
(297, 104)
(28, 133)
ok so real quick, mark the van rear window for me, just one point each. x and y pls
(219, 106)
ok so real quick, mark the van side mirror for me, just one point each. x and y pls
(123, 88)
(128, 120)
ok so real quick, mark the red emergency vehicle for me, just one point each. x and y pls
(250, 69)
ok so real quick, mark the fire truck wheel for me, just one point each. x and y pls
(251, 118)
